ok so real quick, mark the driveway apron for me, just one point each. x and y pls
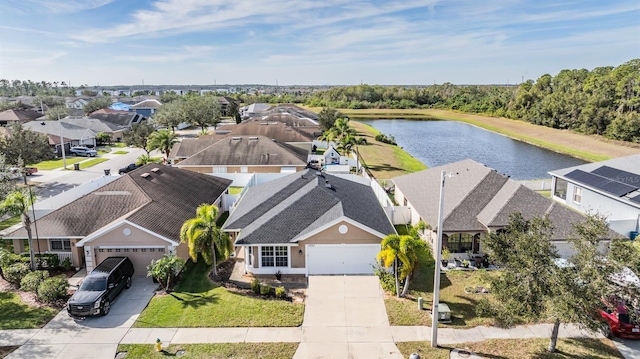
(345, 317)
(95, 337)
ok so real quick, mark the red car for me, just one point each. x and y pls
(616, 314)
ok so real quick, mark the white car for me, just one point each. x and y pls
(83, 151)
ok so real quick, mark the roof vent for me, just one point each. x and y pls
(145, 175)
(253, 138)
(155, 169)
(236, 138)
(264, 123)
(328, 185)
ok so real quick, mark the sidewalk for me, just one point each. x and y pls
(295, 334)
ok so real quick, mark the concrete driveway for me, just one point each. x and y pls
(345, 317)
(96, 337)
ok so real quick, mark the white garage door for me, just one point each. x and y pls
(140, 257)
(341, 258)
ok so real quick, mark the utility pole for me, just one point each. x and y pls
(436, 274)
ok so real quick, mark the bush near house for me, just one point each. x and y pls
(32, 280)
(52, 289)
(15, 272)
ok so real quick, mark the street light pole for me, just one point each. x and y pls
(436, 273)
(64, 158)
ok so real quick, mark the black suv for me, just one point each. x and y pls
(101, 287)
(129, 168)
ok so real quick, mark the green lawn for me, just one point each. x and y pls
(53, 164)
(197, 302)
(9, 222)
(519, 348)
(17, 315)
(92, 162)
(121, 152)
(223, 350)
(404, 311)
(235, 190)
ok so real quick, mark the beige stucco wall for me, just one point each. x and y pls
(331, 235)
(77, 255)
(116, 237)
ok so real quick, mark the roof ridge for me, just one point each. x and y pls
(507, 200)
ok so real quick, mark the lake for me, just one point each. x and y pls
(436, 143)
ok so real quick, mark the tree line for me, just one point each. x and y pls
(604, 101)
(12, 88)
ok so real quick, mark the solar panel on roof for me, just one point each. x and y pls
(618, 175)
(587, 178)
(597, 181)
(618, 188)
(636, 199)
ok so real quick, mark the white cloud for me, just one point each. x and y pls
(54, 6)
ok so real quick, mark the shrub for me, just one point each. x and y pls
(387, 280)
(66, 264)
(266, 290)
(32, 280)
(281, 293)
(166, 269)
(52, 289)
(15, 272)
(255, 286)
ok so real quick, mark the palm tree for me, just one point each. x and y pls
(17, 204)
(389, 255)
(203, 236)
(162, 141)
(411, 248)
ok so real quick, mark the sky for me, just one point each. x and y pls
(311, 42)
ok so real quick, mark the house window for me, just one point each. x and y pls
(577, 195)
(61, 245)
(460, 242)
(277, 256)
(561, 188)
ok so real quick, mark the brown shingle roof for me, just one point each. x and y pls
(22, 116)
(159, 202)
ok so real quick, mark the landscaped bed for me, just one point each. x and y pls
(225, 350)
(519, 348)
(199, 302)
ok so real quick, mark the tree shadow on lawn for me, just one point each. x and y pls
(194, 300)
(595, 346)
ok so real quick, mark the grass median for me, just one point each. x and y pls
(219, 350)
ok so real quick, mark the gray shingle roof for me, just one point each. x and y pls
(56, 128)
(283, 210)
(248, 151)
(94, 124)
(160, 202)
(477, 198)
(120, 119)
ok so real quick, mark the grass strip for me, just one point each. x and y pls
(218, 350)
(92, 162)
(519, 348)
(121, 152)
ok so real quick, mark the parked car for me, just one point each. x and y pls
(129, 168)
(101, 287)
(83, 151)
(620, 324)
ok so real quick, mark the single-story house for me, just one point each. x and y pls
(77, 135)
(478, 200)
(9, 117)
(252, 154)
(309, 223)
(96, 125)
(77, 102)
(139, 215)
(124, 120)
(611, 188)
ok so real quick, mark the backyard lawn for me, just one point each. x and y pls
(198, 302)
(226, 350)
(17, 315)
(519, 348)
(404, 311)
